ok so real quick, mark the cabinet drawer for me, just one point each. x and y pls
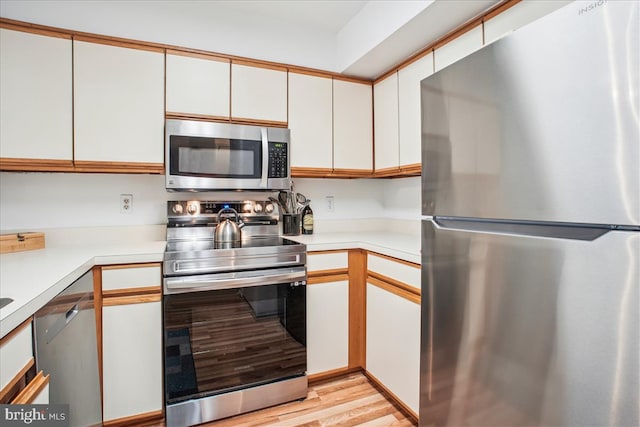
(16, 352)
(126, 277)
(327, 261)
(398, 270)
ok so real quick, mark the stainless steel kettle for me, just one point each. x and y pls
(228, 231)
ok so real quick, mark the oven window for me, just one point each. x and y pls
(224, 340)
(215, 157)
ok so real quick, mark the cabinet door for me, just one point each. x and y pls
(517, 16)
(327, 326)
(458, 48)
(393, 343)
(118, 104)
(132, 359)
(35, 96)
(16, 354)
(311, 121)
(385, 114)
(352, 126)
(410, 123)
(258, 94)
(198, 85)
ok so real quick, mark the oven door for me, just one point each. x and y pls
(229, 331)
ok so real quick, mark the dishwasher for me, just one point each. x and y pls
(66, 348)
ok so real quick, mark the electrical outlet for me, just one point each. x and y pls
(331, 204)
(126, 203)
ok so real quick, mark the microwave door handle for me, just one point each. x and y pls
(265, 158)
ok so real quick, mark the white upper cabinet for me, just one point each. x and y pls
(119, 103)
(385, 113)
(352, 126)
(458, 48)
(35, 96)
(410, 124)
(198, 85)
(258, 94)
(311, 121)
(517, 16)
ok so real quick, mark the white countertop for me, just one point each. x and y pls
(33, 278)
(402, 246)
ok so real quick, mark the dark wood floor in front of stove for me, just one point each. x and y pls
(347, 401)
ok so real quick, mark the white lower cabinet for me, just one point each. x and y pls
(327, 326)
(393, 344)
(132, 359)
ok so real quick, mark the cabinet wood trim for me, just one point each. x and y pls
(357, 308)
(315, 279)
(136, 420)
(353, 80)
(6, 24)
(246, 121)
(303, 172)
(387, 172)
(208, 57)
(352, 173)
(112, 41)
(333, 373)
(329, 251)
(15, 331)
(118, 167)
(397, 283)
(200, 117)
(130, 266)
(130, 292)
(414, 169)
(97, 298)
(508, 4)
(401, 261)
(408, 294)
(394, 399)
(259, 64)
(35, 165)
(131, 299)
(10, 388)
(31, 391)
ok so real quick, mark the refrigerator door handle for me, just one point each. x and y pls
(557, 230)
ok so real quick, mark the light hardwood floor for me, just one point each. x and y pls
(347, 401)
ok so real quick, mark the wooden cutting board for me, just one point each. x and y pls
(21, 242)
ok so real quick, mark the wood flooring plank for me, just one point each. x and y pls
(378, 422)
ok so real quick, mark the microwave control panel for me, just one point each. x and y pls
(278, 160)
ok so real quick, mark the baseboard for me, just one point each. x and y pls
(408, 412)
(334, 373)
(149, 418)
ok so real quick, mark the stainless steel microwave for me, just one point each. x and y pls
(206, 156)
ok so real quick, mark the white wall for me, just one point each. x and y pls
(186, 24)
(32, 201)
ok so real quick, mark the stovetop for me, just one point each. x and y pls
(192, 250)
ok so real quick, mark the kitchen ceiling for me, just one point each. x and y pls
(354, 37)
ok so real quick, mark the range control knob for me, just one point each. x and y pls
(257, 208)
(268, 208)
(248, 207)
(177, 209)
(192, 208)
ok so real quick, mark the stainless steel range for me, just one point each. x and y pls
(234, 313)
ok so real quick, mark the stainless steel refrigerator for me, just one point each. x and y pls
(531, 226)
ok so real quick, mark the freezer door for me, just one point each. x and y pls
(543, 125)
(529, 331)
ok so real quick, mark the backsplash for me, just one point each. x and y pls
(30, 201)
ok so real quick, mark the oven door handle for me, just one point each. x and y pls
(296, 276)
